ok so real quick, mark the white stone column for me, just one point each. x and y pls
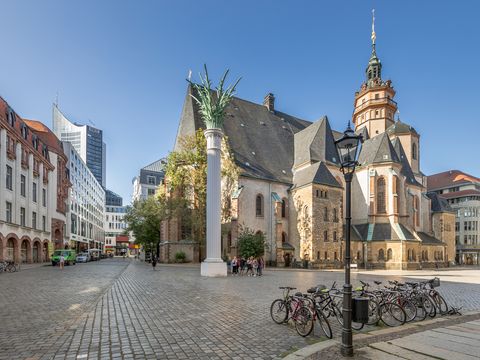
(213, 264)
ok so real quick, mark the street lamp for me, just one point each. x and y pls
(348, 147)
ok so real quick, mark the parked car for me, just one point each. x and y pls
(69, 257)
(83, 257)
(103, 256)
(94, 254)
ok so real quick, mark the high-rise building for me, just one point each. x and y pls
(117, 241)
(86, 140)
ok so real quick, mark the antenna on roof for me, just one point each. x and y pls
(189, 74)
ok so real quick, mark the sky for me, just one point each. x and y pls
(121, 65)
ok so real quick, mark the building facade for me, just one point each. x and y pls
(462, 192)
(147, 182)
(86, 140)
(34, 185)
(116, 240)
(87, 204)
(291, 188)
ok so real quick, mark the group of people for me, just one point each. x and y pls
(249, 267)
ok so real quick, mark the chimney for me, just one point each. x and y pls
(269, 102)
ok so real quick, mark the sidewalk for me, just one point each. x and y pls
(458, 342)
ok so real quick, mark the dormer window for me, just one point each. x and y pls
(11, 117)
(35, 142)
(24, 131)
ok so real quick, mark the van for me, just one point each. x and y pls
(94, 254)
(69, 257)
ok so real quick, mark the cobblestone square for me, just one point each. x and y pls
(122, 309)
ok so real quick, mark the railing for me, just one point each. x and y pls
(376, 101)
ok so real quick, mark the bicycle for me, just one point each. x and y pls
(8, 266)
(292, 308)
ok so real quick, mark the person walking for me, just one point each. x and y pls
(62, 261)
(234, 266)
(154, 261)
(255, 267)
(261, 264)
(242, 265)
(249, 267)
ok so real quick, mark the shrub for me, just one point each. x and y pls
(251, 244)
(180, 257)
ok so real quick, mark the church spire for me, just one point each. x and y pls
(374, 68)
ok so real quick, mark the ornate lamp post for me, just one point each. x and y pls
(348, 147)
(212, 104)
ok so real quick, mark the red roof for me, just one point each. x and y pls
(45, 134)
(457, 194)
(449, 179)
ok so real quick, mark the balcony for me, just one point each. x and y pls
(380, 101)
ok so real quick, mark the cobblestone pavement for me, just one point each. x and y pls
(122, 309)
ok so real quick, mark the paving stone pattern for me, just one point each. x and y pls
(122, 309)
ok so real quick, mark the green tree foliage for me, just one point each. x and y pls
(251, 244)
(212, 104)
(144, 218)
(186, 174)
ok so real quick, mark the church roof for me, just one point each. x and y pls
(450, 178)
(439, 204)
(428, 239)
(317, 173)
(315, 143)
(399, 128)
(381, 232)
(377, 150)
(406, 170)
(262, 141)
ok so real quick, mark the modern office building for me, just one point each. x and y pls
(116, 240)
(86, 140)
(87, 204)
(34, 186)
(462, 191)
(150, 177)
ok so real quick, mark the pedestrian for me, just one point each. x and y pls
(261, 265)
(234, 266)
(62, 261)
(255, 267)
(242, 265)
(249, 267)
(154, 262)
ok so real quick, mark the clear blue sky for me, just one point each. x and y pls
(123, 64)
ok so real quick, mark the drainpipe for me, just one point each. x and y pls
(270, 234)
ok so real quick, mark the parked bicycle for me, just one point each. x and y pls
(8, 266)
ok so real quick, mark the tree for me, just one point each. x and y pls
(186, 177)
(251, 244)
(144, 218)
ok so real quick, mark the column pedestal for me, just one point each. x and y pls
(213, 266)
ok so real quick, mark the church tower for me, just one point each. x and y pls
(374, 107)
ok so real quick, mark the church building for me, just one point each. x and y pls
(291, 188)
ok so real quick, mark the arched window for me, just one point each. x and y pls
(414, 151)
(259, 205)
(381, 199)
(416, 211)
(335, 256)
(325, 214)
(359, 255)
(396, 194)
(318, 255)
(409, 255)
(335, 215)
(389, 254)
(284, 208)
(326, 255)
(381, 255)
(284, 237)
(413, 255)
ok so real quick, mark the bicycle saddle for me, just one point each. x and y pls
(298, 294)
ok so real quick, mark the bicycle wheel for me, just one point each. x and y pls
(279, 311)
(421, 312)
(324, 324)
(11, 268)
(303, 318)
(409, 307)
(440, 303)
(392, 314)
(355, 325)
(373, 312)
(429, 306)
